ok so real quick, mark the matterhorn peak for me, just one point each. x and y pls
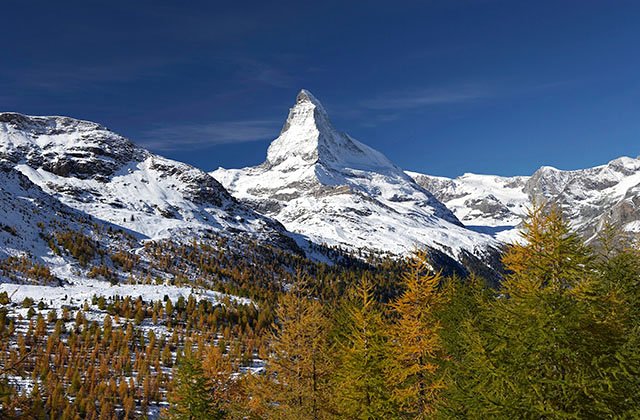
(302, 134)
(306, 98)
(323, 184)
(308, 138)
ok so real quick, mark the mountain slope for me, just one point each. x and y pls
(327, 186)
(486, 203)
(95, 171)
(588, 197)
(26, 212)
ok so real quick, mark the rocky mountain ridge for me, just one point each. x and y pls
(102, 174)
(589, 197)
(316, 185)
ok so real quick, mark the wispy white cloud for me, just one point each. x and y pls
(459, 94)
(418, 98)
(64, 77)
(194, 136)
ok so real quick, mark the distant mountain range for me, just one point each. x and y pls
(589, 198)
(317, 186)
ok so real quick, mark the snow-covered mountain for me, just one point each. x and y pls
(588, 197)
(486, 203)
(325, 185)
(26, 211)
(101, 174)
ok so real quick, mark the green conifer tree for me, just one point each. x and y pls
(190, 397)
(360, 387)
(298, 369)
(547, 345)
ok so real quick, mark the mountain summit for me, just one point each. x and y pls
(309, 138)
(333, 189)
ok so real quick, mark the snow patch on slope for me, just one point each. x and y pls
(486, 203)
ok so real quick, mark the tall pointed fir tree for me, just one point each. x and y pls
(223, 385)
(416, 348)
(361, 389)
(618, 268)
(190, 397)
(550, 257)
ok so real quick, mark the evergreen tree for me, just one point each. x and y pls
(547, 345)
(549, 257)
(416, 345)
(296, 383)
(218, 371)
(190, 397)
(360, 386)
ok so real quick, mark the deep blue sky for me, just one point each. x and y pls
(443, 87)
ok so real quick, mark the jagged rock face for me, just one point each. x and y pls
(102, 174)
(588, 197)
(300, 124)
(488, 206)
(43, 143)
(333, 189)
(308, 138)
(608, 193)
(546, 182)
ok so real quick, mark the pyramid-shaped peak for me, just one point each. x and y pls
(306, 124)
(306, 99)
(306, 96)
(309, 138)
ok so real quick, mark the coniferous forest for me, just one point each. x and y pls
(557, 338)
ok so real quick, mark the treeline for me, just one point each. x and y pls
(558, 339)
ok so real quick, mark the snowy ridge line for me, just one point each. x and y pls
(95, 171)
(589, 198)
